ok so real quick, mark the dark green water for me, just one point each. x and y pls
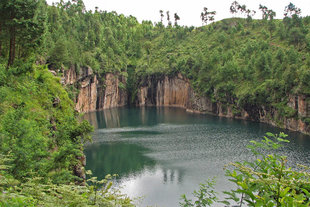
(161, 153)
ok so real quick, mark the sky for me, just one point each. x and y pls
(188, 10)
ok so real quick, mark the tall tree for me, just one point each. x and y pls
(267, 13)
(168, 18)
(242, 8)
(2, 12)
(176, 19)
(292, 16)
(161, 15)
(264, 11)
(250, 14)
(234, 7)
(202, 16)
(207, 15)
(291, 10)
(19, 22)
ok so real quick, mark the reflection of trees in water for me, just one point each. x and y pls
(172, 175)
(125, 160)
(118, 158)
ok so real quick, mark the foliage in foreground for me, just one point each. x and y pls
(266, 181)
(35, 193)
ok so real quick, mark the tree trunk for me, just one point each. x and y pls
(12, 46)
(0, 39)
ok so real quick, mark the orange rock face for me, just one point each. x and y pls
(95, 95)
(175, 91)
(87, 98)
(114, 95)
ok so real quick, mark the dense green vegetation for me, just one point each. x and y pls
(41, 135)
(239, 62)
(243, 63)
(233, 61)
(38, 125)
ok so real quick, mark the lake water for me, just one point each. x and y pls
(161, 153)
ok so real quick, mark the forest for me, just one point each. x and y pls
(240, 62)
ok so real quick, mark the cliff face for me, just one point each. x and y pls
(166, 91)
(94, 94)
(176, 91)
(114, 94)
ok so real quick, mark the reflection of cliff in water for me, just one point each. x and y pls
(117, 158)
(112, 118)
(91, 117)
(136, 116)
(108, 118)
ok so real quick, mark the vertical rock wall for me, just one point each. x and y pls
(94, 94)
(165, 91)
(114, 95)
(177, 91)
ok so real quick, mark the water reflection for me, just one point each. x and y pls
(161, 153)
(172, 176)
(117, 158)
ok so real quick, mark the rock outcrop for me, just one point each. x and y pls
(177, 91)
(94, 94)
(102, 93)
(165, 91)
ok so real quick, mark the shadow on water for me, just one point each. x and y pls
(117, 158)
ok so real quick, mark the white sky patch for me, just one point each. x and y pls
(189, 11)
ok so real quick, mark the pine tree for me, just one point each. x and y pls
(18, 20)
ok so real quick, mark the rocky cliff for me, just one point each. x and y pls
(101, 93)
(94, 93)
(177, 91)
(165, 91)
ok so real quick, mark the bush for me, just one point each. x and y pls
(35, 193)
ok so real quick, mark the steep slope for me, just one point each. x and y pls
(39, 129)
(95, 93)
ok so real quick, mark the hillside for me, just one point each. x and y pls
(241, 64)
(243, 68)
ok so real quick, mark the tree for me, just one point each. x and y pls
(250, 14)
(271, 14)
(59, 54)
(18, 19)
(267, 13)
(207, 16)
(296, 36)
(2, 16)
(234, 7)
(161, 15)
(176, 19)
(242, 8)
(168, 18)
(291, 10)
(264, 11)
